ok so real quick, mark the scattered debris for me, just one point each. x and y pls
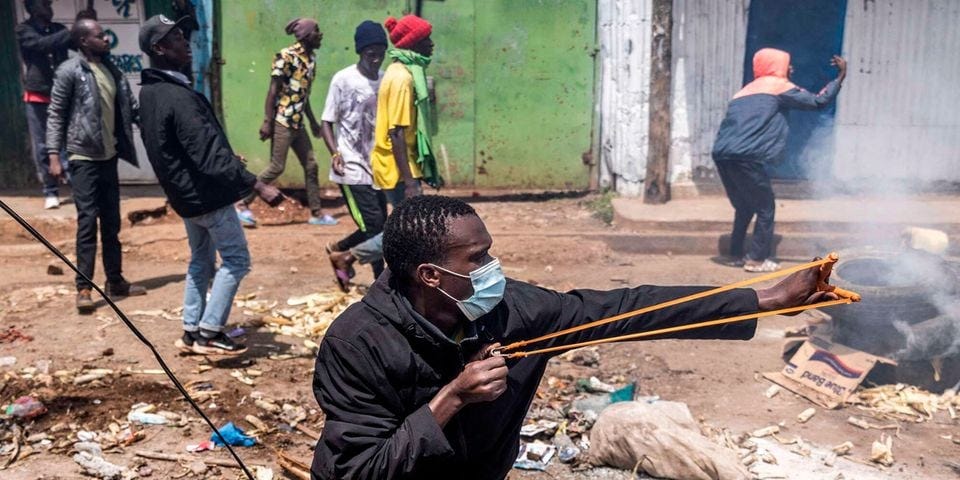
(882, 451)
(766, 431)
(843, 449)
(904, 402)
(534, 456)
(866, 425)
(772, 391)
(234, 436)
(54, 268)
(292, 466)
(26, 408)
(97, 466)
(142, 413)
(12, 334)
(538, 428)
(806, 415)
(567, 451)
(586, 356)
(201, 447)
(594, 385)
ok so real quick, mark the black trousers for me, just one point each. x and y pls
(368, 208)
(96, 193)
(749, 190)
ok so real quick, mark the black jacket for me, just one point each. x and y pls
(755, 126)
(42, 49)
(378, 367)
(74, 116)
(188, 148)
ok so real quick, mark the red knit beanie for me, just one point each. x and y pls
(407, 31)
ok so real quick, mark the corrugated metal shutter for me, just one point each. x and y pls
(624, 32)
(899, 112)
(708, 44)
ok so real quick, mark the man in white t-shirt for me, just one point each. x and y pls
(351, 106)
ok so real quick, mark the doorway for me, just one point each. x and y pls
(812, 32)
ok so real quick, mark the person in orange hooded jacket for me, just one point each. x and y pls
(754, 133)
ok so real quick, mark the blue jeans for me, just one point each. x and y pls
(208, 234)
(37, 125)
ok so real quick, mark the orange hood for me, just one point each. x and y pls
(770, 68)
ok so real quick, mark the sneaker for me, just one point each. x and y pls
(185, 343)
(85, 303)
(50, 202)
(218, 345)
(324, 220)
(124, 289)
(767, 266)
(246, 218)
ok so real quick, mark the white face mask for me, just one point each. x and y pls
(488, 286)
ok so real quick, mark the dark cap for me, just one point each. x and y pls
(157, 27)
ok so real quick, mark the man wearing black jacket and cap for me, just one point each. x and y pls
(43, 46)
(405, 377)
(202, 178)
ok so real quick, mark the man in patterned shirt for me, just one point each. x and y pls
(288, 101)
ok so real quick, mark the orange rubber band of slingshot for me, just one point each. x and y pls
(680, 328)
(832, 258)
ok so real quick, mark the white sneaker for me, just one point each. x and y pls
(50, 202)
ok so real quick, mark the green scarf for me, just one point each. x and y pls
(417, 64)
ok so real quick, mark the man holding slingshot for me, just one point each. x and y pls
(431, 374)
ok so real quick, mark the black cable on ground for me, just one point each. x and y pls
(29, 228)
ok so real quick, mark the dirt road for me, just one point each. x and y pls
(543, 242)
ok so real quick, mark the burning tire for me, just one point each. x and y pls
(903, 292)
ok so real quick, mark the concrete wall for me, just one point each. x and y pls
(898, 115)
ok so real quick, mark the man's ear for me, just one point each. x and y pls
(428, 275)
(156, 50)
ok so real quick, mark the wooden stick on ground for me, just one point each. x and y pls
(293, 466)
(183, 458)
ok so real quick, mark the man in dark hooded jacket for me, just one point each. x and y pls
(753, 134)
(406, 379)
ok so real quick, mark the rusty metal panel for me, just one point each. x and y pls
(708, 47)
(898, 115)
(623, 30)
(253, 33)
(534, 92)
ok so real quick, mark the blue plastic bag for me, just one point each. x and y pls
(234, 436)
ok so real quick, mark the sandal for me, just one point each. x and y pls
(767, 266)
(732, 261)
(341, 276)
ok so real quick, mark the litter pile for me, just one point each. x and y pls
(307, 316)
(905, 403)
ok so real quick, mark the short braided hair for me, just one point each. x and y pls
(416, 232)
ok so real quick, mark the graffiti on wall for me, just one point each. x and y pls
(128, 63)
(123, 7)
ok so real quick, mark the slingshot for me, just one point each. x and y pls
(826, 266)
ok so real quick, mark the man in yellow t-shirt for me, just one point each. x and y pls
(394, 156)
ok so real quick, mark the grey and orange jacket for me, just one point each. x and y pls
(755, 127)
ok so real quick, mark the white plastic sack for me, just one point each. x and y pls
(661, 439)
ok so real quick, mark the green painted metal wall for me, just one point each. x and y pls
(514, 82)
(16, 161)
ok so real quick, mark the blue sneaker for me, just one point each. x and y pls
(324, 220)
(246, 218)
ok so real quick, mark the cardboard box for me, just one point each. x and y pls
(825, 373)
